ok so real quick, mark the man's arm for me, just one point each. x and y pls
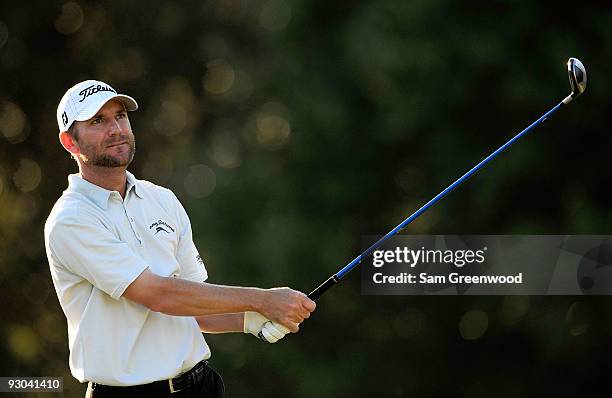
(223, 323)
(175, 296)
(246, 322)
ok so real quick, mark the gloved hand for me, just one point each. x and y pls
(263, 328)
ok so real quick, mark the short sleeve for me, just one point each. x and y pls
(188, 257)
(85, 247)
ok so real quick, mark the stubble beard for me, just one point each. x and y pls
(100, 159)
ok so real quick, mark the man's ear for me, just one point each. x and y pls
(69, 143)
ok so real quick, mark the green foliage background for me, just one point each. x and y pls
(289, 129)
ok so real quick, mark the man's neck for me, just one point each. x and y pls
(111, 178)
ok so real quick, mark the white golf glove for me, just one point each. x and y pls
(263, 328)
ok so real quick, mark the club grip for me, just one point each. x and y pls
(322, 288)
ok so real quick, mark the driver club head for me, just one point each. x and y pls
(577, 76)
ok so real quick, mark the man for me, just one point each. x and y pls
(128, 275)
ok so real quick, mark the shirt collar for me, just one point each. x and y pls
(98, 194)
(132, 182)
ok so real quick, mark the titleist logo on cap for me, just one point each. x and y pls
(87, 91)
(83, 100)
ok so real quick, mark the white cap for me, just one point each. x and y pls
(83, 100)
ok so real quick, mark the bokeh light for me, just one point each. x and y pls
(272, 129)
(224, 146)
(219, 77)
(13, 123)
(242, 88)
(28, 175)
(70, 19)
(129, 64)
(231, 10)
(473, 324)
(23, 209)
(200, 181)
(23, 342)
(158, 167)
(171, 119)
(275, 15)
(514, 308)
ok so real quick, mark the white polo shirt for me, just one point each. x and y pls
(97, 244)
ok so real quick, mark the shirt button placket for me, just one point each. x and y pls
(132, 224)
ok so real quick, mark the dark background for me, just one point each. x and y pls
(290, 129)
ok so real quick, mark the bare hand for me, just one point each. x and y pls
(287, 307)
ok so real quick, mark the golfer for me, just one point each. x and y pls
(128, 275)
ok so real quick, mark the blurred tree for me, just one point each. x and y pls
(289, 129)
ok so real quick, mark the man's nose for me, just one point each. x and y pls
(115, 127)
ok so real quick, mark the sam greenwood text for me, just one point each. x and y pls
(454, 278)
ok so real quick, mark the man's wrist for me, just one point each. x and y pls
(257, 299)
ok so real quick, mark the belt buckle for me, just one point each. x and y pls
(171, 385)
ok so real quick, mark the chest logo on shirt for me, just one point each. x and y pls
(161, 226)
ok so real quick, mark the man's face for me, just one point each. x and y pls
(106, 140)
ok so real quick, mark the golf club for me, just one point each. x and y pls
(578, 81)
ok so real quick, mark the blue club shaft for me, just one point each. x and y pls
(340, 274)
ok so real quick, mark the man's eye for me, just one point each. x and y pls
(96, 121)
(121, 115)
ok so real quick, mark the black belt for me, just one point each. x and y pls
(186, 380)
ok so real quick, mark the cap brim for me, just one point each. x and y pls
(127, 101)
